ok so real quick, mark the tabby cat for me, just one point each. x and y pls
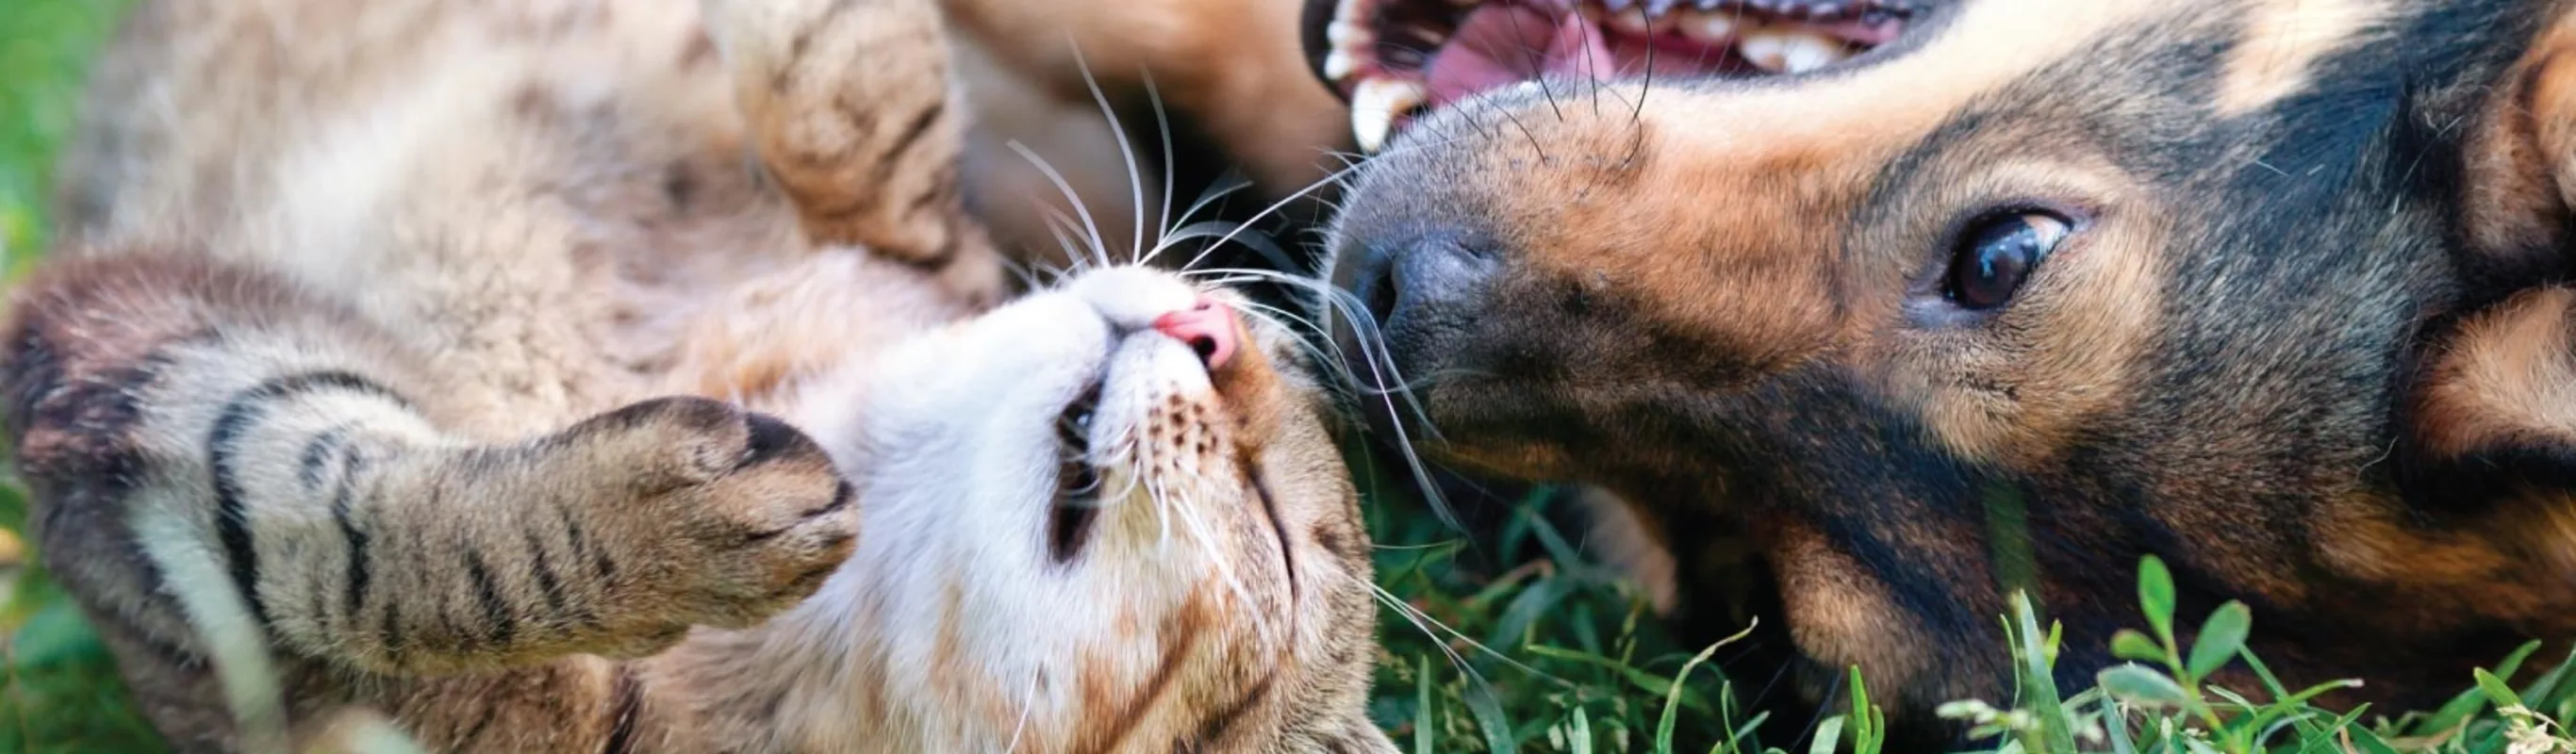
(361, 383)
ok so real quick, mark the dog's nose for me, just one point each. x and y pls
(1208, 327)
(1428, 277)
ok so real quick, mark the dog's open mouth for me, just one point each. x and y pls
(1395, 59)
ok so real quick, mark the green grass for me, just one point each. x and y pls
(58, 687)
(1553, 656)
(44, 50)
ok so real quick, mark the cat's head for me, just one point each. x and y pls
(1105, 516)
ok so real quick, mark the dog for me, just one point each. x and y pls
(1923, 304)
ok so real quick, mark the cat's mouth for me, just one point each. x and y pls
(1074, 515)
(1142, 435)
(1395, 60)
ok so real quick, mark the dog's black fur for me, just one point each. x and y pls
(2256, 357)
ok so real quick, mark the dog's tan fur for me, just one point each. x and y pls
(350, 370)
(2308, 337)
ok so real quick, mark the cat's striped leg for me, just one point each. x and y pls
(211, 448)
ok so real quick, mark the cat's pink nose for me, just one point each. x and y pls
(1207, 327)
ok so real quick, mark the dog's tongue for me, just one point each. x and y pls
(1504, 43)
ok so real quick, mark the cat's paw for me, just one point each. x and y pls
(727, 516)
(855, 117)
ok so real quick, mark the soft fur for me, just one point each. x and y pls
(2309, 342)
(358, 385)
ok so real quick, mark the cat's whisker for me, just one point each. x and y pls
(1066, 237)
(1425, 623)
(1381, 365)
(1163, 128)
(1028, 705)
(1172, 235)
(1157, 495)
(1333, 179)
(1198, 532)
(1162, 516)
(1326, 352)
(1126, 151)
(1099, 245)
(1025, 272)
(1336, 300)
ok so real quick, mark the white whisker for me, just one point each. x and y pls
(1224, 567)
(1162, 127)
(1173, 236)
(1425, 623)
(1028, 705)
(1061, 227)
(1381, 366)
(1127, 152)
(1098, 245)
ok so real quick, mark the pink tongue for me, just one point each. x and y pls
(1503, 43)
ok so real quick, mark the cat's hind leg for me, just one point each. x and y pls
(856, 116)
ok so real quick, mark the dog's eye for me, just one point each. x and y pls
(1998, 253)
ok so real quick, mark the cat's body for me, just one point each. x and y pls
(349, 390)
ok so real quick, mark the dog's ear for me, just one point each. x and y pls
(2488, 469)
(2488, 473)
(2494, 412)
(2521, 163)
(2493, 408)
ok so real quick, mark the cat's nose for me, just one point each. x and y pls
(1209, 327)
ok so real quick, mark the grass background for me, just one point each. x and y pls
(1507, 641)
(59, 691)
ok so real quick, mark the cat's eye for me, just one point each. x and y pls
(1998, 254)
(1075, 475)
(1077, 481)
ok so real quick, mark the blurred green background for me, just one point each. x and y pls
(60, 692)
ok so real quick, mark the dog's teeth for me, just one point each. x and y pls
(1715, 27)
(1347, 34)
(1351, 10)
(1789, 51)
(1375, 106)
(1617, 5)
(1340, 64)
(1807, 51)
(1765, 49)
(1632, 23)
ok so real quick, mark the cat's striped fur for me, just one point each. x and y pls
(357, 372)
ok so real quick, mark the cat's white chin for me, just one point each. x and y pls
(965, 579)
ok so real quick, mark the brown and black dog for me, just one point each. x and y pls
(2273, 289)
